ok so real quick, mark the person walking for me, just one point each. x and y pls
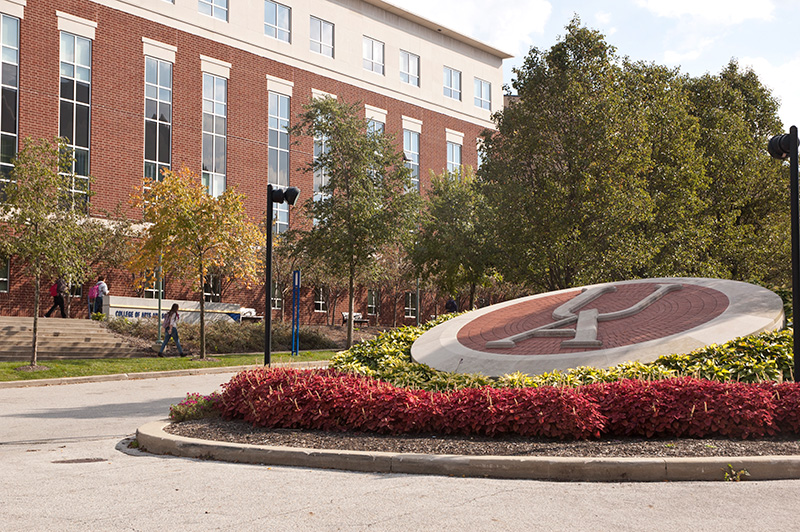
(102, 292)
(58, 291)
(171, 330)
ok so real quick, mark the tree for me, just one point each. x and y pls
(747, 196)
(679, 232)
(42, 229)
(189, 232)
(453, 247)
(392, 275)
(565, 173)
(364, 205)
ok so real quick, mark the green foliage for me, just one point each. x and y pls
(453, 246)
(731, 474)
(98, 316)
(763, 357)
(746, 199)
(191, 232)
(364, 205)
(227, 336)
(42, 219)
(616, 170)
(195, 406)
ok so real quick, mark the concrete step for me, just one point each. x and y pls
(59, 338)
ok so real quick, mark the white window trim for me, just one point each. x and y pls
(456, 137)
(15, 8)
(159, 50)
(217, 67)
(419, 68)
(6, 268)
(317, 94)
(375, 113)
(76, 25)
(412, 124)
(281, 86)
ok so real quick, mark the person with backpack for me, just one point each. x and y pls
(58, 291)
(171, 330)
(100, 290)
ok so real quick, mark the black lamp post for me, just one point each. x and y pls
(274, 195)
(781, 147)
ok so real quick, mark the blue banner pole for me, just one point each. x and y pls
(295, 312)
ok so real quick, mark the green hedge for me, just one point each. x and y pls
(227, 336)
(763, 357)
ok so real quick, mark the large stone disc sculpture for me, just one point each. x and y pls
(601, 325)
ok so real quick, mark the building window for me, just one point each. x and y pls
(278, 154)
(276, 299)
(321, 37)
(320, 300)
(411, 151)
(483, 94)
(373, 302)
(74, 108)
(157, 117)
(373, 55)
(452, 83)
(150, 289)
(214, 8)
(321, 176)
(277, 21)
(411, 305)
(375, 126)
(5, 269)
(9, 123)
(454, 157)
(409, 68)
(212, 288)
(215, 118)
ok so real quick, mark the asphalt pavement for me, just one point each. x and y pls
(66, 465)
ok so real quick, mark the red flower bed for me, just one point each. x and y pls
(334, 401)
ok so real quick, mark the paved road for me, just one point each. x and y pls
(64, 466)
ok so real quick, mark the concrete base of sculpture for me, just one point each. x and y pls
(600, 325)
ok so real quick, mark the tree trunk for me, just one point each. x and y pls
(34, 344)
(350, 303)
(394, 307)
(471, 296)
(203, 318)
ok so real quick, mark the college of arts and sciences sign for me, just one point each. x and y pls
(601, 325)
(137, 308)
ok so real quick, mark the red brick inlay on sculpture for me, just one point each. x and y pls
(675, 312)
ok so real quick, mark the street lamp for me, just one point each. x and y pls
(781, 147)
(274, 195)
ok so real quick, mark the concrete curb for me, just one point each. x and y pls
(153, 439)
(155, 374)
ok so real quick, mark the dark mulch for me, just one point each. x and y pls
(241, 432)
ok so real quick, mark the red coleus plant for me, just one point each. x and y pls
(334, 401)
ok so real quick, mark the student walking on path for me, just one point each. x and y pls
(171, 330)
(58, 291)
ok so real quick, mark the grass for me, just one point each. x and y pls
(86, 367)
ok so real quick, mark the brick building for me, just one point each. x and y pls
(140, 85)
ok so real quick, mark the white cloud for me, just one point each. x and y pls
(602, 18)
(717, 12)
(694, 51)
(781, 79)
(672, 57)
(504, 25)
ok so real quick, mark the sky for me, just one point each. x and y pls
(696, 36)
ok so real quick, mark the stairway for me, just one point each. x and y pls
(61, 338)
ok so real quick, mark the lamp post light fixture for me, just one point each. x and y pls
(781, 147)
(274, 195)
